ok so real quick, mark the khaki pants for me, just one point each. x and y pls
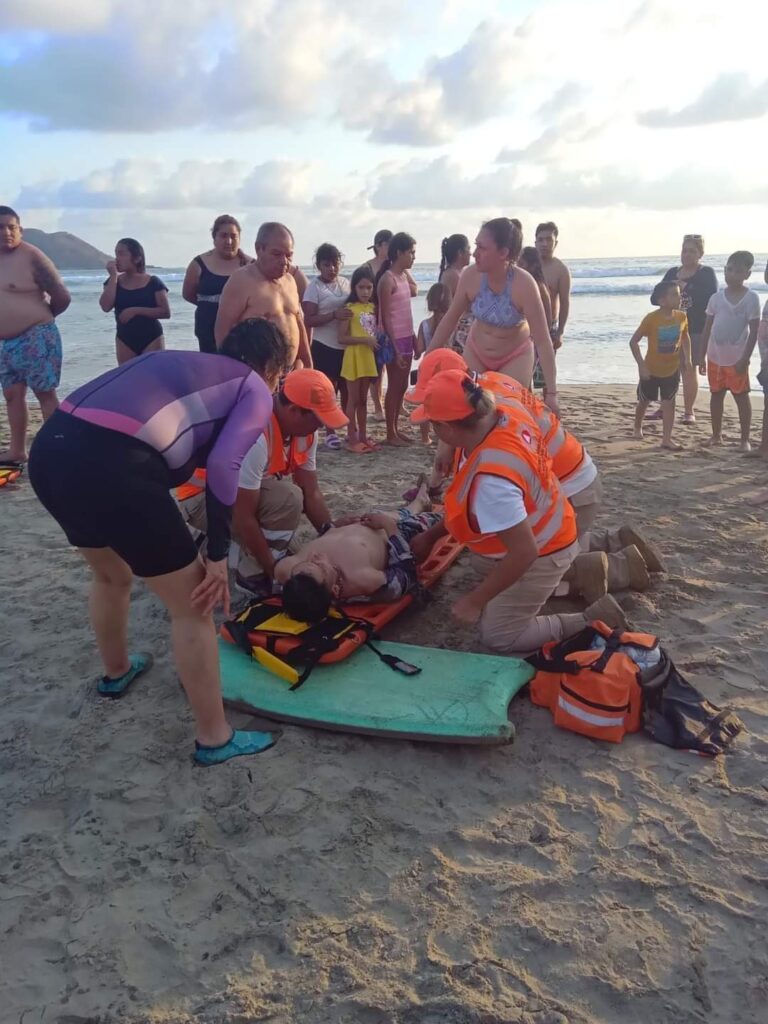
(511, 623)
(586, 504)
(281, 503)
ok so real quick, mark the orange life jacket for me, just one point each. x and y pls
(195, 485)
(566, 452)
(280, 461)
(514, 450)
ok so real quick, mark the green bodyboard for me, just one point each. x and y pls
(458, 697)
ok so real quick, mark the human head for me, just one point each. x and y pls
(307, 401)
(498, 242)
(666, 294)
(226, 236)
(309, 591)
(328, 260)
(692, 251)
(546, 239)
(530, 261)
(274, 250)
(129, 255)
(434, 362)
(738, 268)
(439, 298)
(10, 229)
(455, 405)
(454, 250)
(401, 252)
(261, 345)
(361, 287)
(381, 242)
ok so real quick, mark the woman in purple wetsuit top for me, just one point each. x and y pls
(104, 465)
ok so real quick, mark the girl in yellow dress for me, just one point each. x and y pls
(359, 370)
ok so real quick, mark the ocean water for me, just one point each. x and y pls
(610, 297)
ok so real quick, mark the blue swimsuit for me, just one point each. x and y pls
(496, 308)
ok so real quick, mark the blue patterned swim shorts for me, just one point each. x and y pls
(34, 358)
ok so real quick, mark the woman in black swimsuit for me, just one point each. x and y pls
(139, 299)
(207, 274)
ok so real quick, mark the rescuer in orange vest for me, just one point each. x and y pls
(506, 504)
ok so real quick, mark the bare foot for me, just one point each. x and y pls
(405, 438)
(7, 456)
(712, 442)
(396, 441)
(745, 447)
(638, 435)
(671, 446)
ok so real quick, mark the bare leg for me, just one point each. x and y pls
(195, 652)
(378, 412)
(108, 605)
(16, 400)
(351, 409)
(122, 352)
(362, 408)
(744, 405)
(422, 502)
(716, 403)
(640, 411)
(762, 451)
(49, 402)
(690, 389)
(397, 383)
(667, 423)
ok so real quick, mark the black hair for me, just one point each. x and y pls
(505, 235)
(438, 297)
(661, 289)
(327, 253)
(260, 344)
(363, 273)
(136, 249)
(742, 258)
(400, 242)
(225, 220)
(271, 227)
(547, 225)
(382, 235)
(533, 263)
(482, 401)
(7, 211)
(518, 224)
(450, 248)
(305, 599)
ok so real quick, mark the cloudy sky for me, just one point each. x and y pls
(629, 122)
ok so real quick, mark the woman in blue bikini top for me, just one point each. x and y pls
(506, 304)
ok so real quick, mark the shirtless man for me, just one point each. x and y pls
(32, 294)
(557, 277)
(365, 557)
(266, 288)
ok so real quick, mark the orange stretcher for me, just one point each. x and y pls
(357, 621)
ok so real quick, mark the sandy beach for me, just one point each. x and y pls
(349, 879)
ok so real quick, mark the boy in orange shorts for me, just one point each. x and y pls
(730, 335)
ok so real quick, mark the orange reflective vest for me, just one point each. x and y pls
(566, 452)
(195, 485)
(515, 451)
(283, 461)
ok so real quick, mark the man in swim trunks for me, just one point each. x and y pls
(267, 288)
(32, 295)
(557, 277)
(364, 558)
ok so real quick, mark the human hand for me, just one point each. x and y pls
(126, 315)
(703, 368)
(379, 521)
(550, 400)
(343, 313)
(467, 609)
(742, 366)
(112, 268)
(644, 372)
(402, 361)
(347, 520)
(213, 590)
(557, 342)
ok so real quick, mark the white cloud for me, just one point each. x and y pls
(55, 15)
(731, 97)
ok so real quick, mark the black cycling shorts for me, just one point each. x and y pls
(107, 490)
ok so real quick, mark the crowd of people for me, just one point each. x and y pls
(178, 466)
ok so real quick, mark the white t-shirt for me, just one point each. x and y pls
(497, 504)
(328, 298)
(730, 329)
(253, 469)
(762, 336)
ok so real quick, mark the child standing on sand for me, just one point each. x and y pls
(438, 302)
(357, 335)
(730, 336)
(669, 351)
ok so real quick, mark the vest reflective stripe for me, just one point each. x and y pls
(298, 450)
(602, 721)
(523, 461)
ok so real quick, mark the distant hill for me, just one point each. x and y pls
(67, 251)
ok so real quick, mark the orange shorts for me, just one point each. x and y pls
(725, 378)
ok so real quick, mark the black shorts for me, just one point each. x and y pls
(666, 387)
(328, 360)
(107, 490)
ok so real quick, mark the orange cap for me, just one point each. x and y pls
(445, 399)
(311, 389)
(436, 361)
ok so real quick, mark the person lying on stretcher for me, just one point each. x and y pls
(362, 558)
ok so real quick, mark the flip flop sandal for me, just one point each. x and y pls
(333, 441)
(115, 688)
(238, 745)
(357, 448)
